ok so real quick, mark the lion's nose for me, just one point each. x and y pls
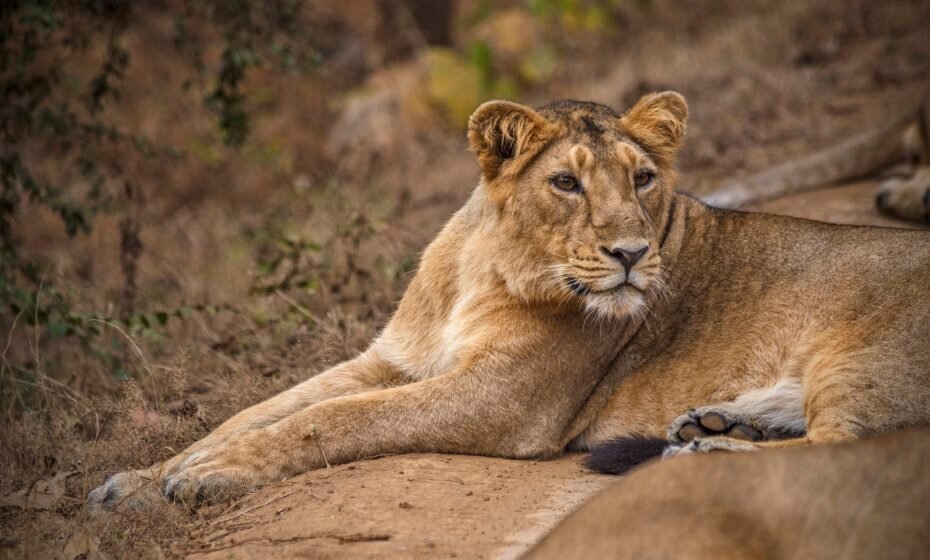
(627, 255)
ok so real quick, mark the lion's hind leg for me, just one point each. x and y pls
(775, 412)
(757, 417)
(848, 400)
(711, 444)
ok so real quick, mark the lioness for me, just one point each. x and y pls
(866, 499)
(576, 298)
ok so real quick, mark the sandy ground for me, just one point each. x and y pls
(412, 506)
(440, 506)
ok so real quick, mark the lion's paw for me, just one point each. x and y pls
(906, 197)
(126, 491)
(708, 445)
(711, 421)
(210, 475)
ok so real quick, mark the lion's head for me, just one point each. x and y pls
(586, 192)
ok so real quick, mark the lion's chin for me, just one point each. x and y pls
(620, 303)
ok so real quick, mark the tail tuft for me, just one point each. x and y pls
(622, 454)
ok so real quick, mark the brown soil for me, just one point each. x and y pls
(414, 506)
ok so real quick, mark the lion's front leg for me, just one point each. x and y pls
(465, 412)
(138, 489)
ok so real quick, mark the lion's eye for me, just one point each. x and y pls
(566, 183)
(643, 179)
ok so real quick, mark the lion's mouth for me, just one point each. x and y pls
(578, 287)
(581, 289)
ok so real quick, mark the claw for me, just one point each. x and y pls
(168, 487)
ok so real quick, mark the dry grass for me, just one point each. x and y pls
(765, 83)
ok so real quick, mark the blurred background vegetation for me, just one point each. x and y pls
(204, 201)
(72, 151)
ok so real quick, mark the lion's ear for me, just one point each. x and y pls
(657, 122)
(501, 133)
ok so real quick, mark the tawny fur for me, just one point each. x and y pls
(862, 500)
(524, 332)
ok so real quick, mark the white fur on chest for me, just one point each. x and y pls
(433, 352)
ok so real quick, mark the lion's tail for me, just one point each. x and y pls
(622, 454)
(856, 157)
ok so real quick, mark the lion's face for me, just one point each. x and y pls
(592, 208)
(587, 192)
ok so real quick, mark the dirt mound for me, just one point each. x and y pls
(411, 506)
